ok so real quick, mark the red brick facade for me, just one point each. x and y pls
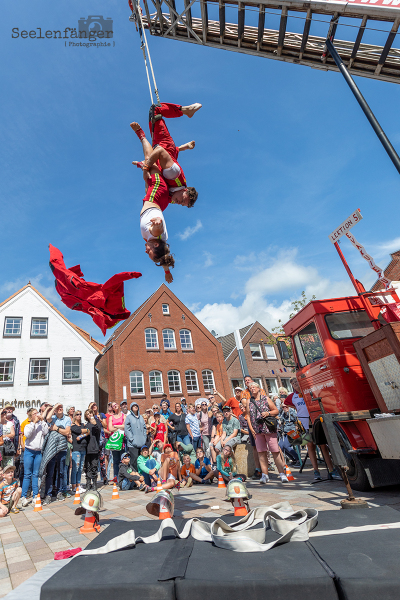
(267, 369)
(126, 353)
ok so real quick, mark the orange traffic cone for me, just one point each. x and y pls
(288, 473)
(239, 507)
(115, 495)
(38, 504)
(77, 499)
(159, 486)
(164, 512)
(221, 482)
(90, 524)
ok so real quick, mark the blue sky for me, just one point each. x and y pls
(283, 155)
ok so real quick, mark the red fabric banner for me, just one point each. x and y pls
(103, 302)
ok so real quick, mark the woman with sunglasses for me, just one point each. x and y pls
(80, 435)
(205, 425)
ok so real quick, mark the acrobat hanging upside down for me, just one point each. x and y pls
(164, 180)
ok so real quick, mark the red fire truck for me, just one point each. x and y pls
(347, 361)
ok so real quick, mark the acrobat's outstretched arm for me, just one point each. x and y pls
(157, 227)
(188, 146)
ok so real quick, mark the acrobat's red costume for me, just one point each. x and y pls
(103, 302)
(162, 137)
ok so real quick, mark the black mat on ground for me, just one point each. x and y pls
(348, 566)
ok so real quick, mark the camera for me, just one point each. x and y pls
(93, 24)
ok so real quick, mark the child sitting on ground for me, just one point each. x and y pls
(128, 479)
(170, 465)
(148, 466)
(203, 467)
(10, 492)
(226, 465)
(188, 472)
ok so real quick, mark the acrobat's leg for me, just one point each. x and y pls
(147, 149)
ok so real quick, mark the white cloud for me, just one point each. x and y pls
(208, 259)
(385, 249)
(8, 288)
(189, 231)
(287, 277)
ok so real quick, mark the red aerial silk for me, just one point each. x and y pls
(103, 302)
(391, 312)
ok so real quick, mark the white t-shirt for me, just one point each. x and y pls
(302, 412)
(145, 224)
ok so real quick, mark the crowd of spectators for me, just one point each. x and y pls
(193, 444)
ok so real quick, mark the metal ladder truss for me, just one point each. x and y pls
(262, 29)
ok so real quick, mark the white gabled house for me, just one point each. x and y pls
(43, 356)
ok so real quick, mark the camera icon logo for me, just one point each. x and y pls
(94, 24)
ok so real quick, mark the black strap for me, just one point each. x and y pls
(181, 551)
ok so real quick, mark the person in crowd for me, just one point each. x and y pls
(17, 428)
(216, 436)
(288, 420)
(107, 433)
(226, 465)
(213, 411)
(170, 465)
(128, 478)
(178, 422)
(146, 419)
(297, 401)
(283, 393)
(244, 426)
(34, 433)
(183, 403)
(165, 410)
(244, 399)
(203, 467)
(197, 408)
(230, 430)
(116, 422)
(258, 408)
(193, 426)
(92, 450)
(135, 433)
(156, 450)
(232, 402)
(8, 448)
(68, 461)
(80, 436)
(188, 472)
(124, 407)
(276, 400)
(101, 418)
(205, 425)
(70, 411)
(61, 424)
(148, 466)
(161, 432)
(10, 492)
(186, 449)
(22, 454)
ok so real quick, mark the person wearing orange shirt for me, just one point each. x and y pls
(232, 402)
(188, 473)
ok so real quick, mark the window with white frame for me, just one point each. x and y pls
(151, 338)
(39, 370)
(137, 382)
(12, 326)
(169, 339)
(7, 368)
(255, 350)
(165, 309)
(39, 328)
(71, 369)
(174, 381)
(258, 381)
(186, 339)
(156, 384)
(208, 380)
(272, 385)
(270, 351)
(286, 384)
(192, 384)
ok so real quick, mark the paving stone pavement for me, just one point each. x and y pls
(29, 539)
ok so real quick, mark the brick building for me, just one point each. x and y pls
(262, 358)
(162, 347)
(392, 272)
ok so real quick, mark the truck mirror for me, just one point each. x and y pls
(285, 351)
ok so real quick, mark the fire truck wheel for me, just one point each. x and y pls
(356, 474)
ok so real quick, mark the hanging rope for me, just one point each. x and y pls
(137, 17)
